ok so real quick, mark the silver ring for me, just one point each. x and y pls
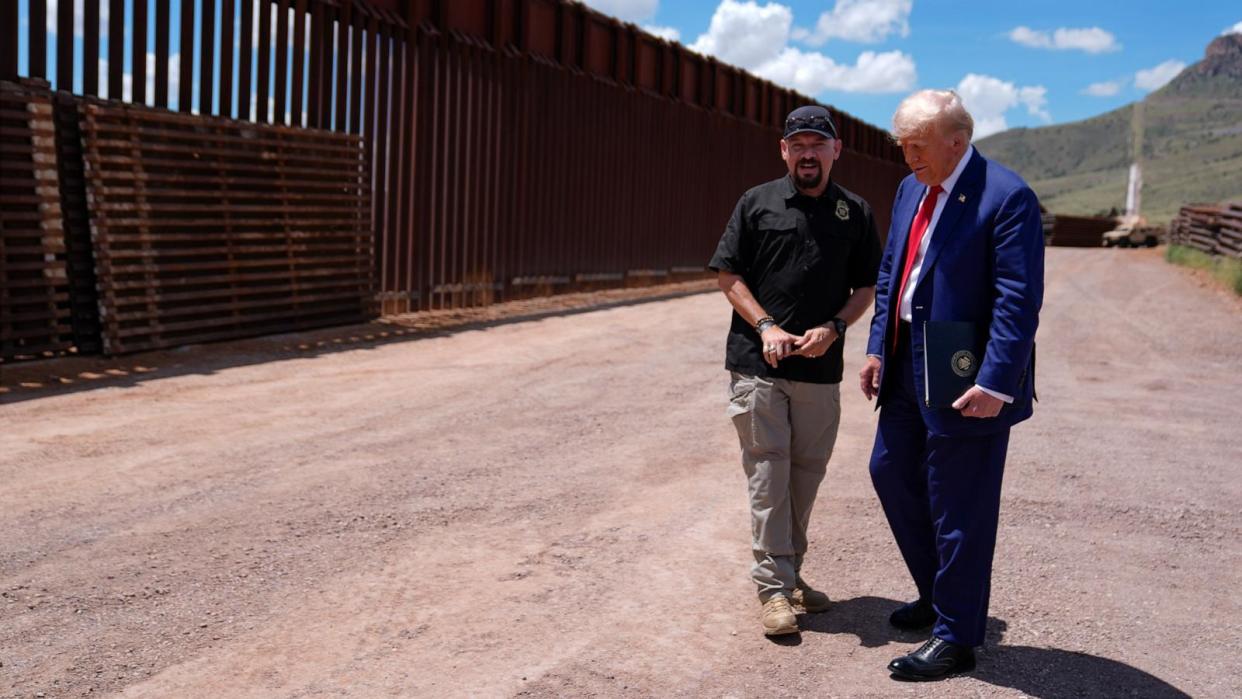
(768, 348)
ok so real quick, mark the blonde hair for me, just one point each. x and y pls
(927, 107)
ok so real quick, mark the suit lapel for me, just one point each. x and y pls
(963, 194)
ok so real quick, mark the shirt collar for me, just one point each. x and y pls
(951, 181)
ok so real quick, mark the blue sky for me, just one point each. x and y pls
(1015, 64)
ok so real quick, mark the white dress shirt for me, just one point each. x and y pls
(904, 310)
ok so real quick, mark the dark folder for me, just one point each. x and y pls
(952, 353)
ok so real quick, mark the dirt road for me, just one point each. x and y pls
(555, 507)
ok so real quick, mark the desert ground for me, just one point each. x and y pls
(546, 499)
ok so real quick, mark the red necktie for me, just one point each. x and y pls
(917, 230)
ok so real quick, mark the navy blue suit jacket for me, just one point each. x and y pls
(985, 264)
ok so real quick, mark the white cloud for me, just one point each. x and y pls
(1089, 39)
(127, 81)
(1148, 79)
(1235, 29)
(275, 14)
(103, 77)
(1155, 78)
(866, 21)
(627, 10)
(271, 109)
(104, 12)
(1035, 99)
(174, 76)
(813, 73)
(756, 38)
(669, 33)
(79, 19)
(254, 25)
(1029, 37)
(254, 104)
(1108, 88)
(127, 87)
(745, 34)
(988, 99)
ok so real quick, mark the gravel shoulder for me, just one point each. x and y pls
(546, 500)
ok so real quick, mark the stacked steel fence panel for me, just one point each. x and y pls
(1080, 231)
(34, 290)
(208, 229)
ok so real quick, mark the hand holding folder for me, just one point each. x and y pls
(952, 354)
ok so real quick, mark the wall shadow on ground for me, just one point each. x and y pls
(23, 381)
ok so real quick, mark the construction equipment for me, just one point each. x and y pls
(1132, 231)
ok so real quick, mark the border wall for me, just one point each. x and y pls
(502, 149)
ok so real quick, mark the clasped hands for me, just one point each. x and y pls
(975, 402)
(778, 344)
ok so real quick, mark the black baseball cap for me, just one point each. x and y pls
(812, 118)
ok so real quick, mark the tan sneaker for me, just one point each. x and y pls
(809, 598)
(778, 617)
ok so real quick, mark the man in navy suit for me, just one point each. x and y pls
(965, 244)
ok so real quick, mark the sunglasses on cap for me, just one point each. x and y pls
(811, 123)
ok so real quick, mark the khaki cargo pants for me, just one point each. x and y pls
(787, 430)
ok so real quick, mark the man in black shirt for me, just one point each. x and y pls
(798, 262)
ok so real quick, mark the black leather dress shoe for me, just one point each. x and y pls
(913, 616)
(937, 659)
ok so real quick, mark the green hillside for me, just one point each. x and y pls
(1192, 150)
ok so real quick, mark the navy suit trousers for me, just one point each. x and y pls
(941, 496)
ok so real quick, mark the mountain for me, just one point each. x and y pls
(1192, 148)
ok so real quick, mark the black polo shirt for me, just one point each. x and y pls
(801, 257)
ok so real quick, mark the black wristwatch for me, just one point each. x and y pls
(839, 326)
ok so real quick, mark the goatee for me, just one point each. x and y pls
(809, 181)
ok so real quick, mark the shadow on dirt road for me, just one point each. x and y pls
(1045, 673)
(1051, 673)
